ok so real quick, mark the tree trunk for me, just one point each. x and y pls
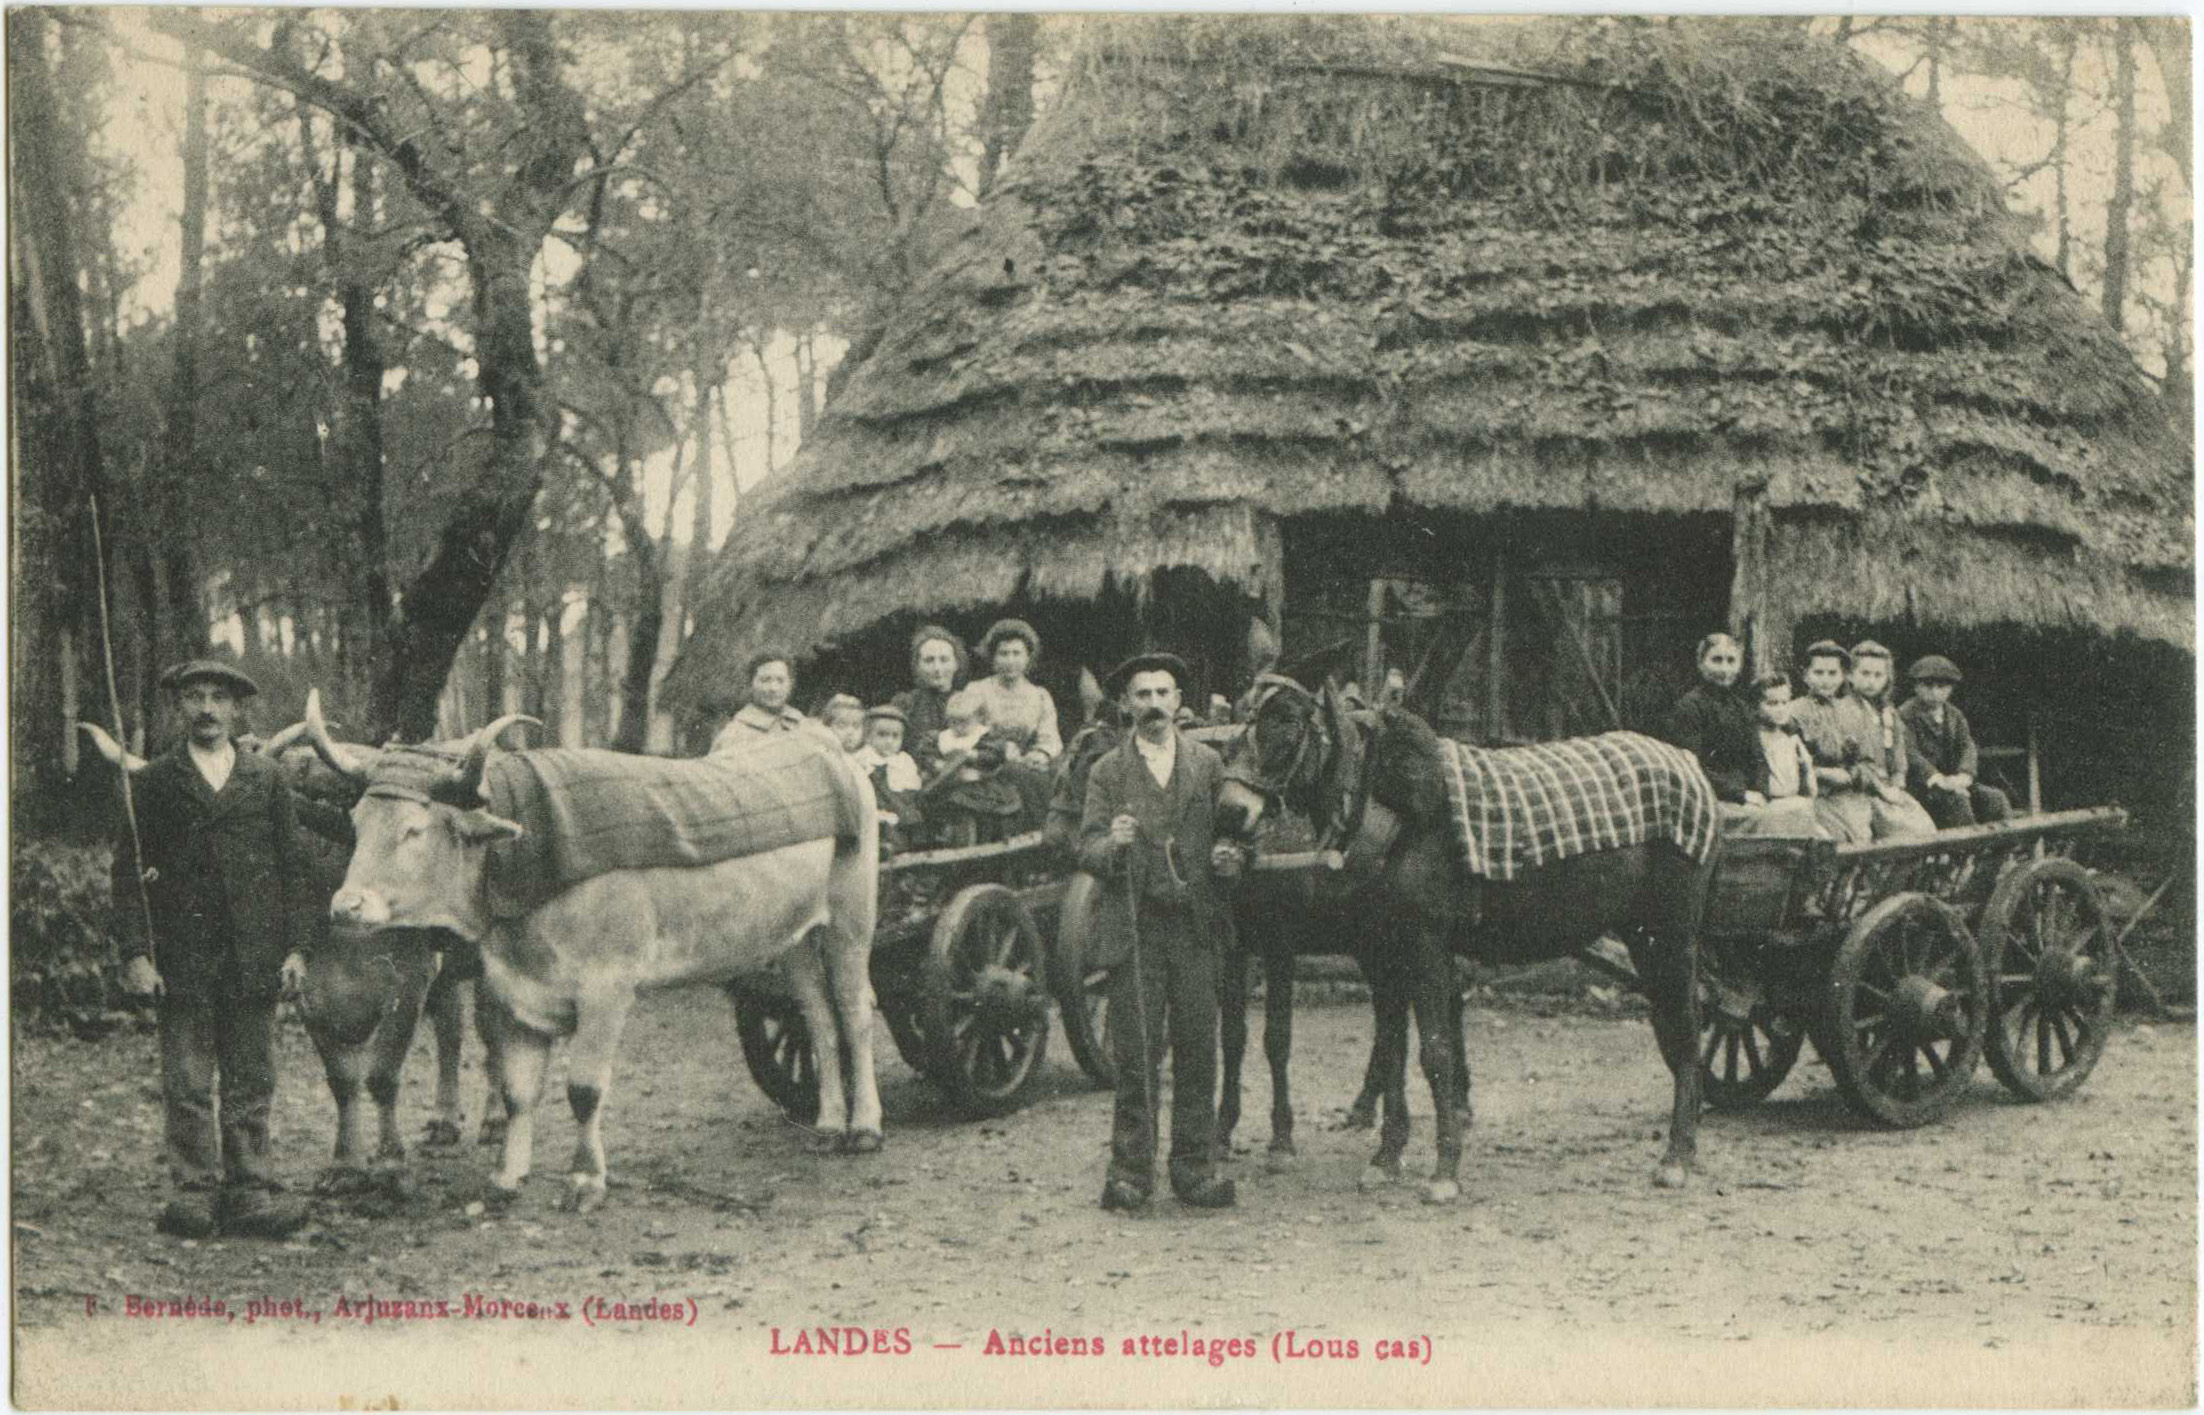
(186, 627)
(807, 388)
(66, 455)
(2122, 206)
(2063, 212)
(1012, 41)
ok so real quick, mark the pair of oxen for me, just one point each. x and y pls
(1404, 906)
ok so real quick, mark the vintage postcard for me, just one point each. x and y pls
(731, 709)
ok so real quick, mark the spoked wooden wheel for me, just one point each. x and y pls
(1081, 988)
(1909, 995)
(776, 1044)
(983, 1002)
(1746, 1047)
(910, 1039)
(2052, 978)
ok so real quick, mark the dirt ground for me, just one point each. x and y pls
(2010, 1254)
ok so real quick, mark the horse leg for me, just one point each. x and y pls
(1388, 1070)
(1362, 1115)
(1670, 968)
(1232, 1018)
(1278, 1051)
(1432, 985)
(601, 1014)
(1463, 1106)
(447, 1009)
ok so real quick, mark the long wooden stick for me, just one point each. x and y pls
(114, 706)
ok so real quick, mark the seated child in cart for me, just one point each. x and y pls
(972, 797)
(895, 778)
(1781, 800)
(844, 716)
(1895, 813)
(1944, 757)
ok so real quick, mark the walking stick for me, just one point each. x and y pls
(114, 707)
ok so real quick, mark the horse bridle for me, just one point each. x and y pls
(1315, 750)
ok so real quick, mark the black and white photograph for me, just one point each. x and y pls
(893, 710)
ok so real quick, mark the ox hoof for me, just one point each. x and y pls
(585, 1194)
(1378, 1176)
(1279, 1159)
(1360, 1117)
(863, 1142)
(1441, 1191)
(1673, 1174)
(441, 1135)
(492, 1131)
(389, 1153)
(828, 1142)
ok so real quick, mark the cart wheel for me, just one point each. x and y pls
(1081, 991)
(983, 1001)
(910, 1042)
(776, 1043)
(1746, 1047)
(1908, 996)
(2052, 978)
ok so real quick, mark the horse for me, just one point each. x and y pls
(1376, 780)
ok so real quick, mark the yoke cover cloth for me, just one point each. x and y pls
(588, 812)
(1518, 808)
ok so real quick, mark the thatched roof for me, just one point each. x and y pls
(1257, 268)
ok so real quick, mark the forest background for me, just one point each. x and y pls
(426, 356)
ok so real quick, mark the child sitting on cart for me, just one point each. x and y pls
(1944, 757)
(1896, 814)
(1781, 800)
(895, 779)
(972, 798)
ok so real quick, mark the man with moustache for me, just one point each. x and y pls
(220, 872)
(1148, 833)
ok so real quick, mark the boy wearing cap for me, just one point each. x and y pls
(1896, 814)
(1148, 834)
(1944, 755)
(218, 862)
(895, 779)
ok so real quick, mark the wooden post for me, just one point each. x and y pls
(1496, 651)
(2035, 778)
(1753, 618)
(1373, 645)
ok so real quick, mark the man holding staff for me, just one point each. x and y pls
(1148, 833)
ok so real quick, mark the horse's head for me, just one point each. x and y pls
(1291, 757)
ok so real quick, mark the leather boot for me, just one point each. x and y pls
(259, 1213)
(189, 1215)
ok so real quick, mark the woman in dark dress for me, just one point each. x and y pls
(1717, 724)
(938, 663)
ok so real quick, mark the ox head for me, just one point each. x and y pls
(422, 834)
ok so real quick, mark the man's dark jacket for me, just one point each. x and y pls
(1721, 729)
(1945, 748)
(228, 872)
(1177, 828)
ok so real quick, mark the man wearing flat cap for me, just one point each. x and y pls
(1148, 833)
(220, 873)
(1944, 759)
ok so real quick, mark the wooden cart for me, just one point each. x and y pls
(963, 974)
(1904, 961)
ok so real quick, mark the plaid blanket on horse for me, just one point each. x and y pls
(1518, 808)
(588, 813)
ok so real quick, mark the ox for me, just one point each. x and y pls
(572, 964)
(362, 1003)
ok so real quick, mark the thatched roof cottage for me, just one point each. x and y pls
(1524, 369)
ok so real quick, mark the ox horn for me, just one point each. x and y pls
(1262, 647)
(341, 758)
(1091, 696)
(478, 751)
(283, 741)
(111, 749)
